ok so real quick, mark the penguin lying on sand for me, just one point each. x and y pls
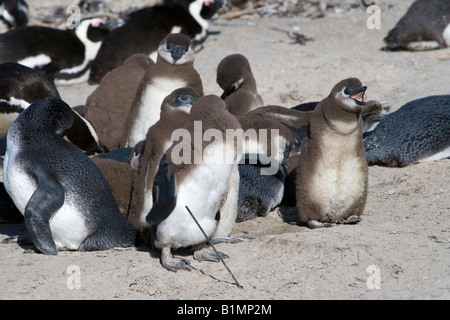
(13, 14)
(425, 26)
(64, 55)
(417, 132)
(146, 28)
(65, 200)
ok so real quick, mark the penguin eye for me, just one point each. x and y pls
(346, 91)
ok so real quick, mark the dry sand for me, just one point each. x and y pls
(403, 240)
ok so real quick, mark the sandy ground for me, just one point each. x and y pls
(401, 248)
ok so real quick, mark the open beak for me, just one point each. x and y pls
(358, 95)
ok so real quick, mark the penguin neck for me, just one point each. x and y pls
(341, 121)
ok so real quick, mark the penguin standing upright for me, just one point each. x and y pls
(195, 172)
(174, 69)
(332, 172)
(107, 107)
(65, 200)
(175, 111)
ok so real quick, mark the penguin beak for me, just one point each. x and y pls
(358, 95)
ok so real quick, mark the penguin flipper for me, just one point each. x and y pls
(164, 194)
(45, 201)
(293, 118)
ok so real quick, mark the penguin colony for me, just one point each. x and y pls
(149, 164)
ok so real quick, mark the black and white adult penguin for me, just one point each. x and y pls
(20, 86)
(235, 77)
(262, 170)
(332, 172)
(174, 69)
(13, 14)
(425, 26)
(418, 131)
(175, 111)
(146, 28)
(108, 106)
(64, 55)
(196, 173)
(65, 200)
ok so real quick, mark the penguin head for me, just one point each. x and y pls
(232, 72)
(14, 13)
(180, 99)
(350, 94)
(176, 49)
(48, 115)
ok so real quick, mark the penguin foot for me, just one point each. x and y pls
(314, 224)
(171, 263)
(230, 239)
(23, 239)
(208, 254)
(350, 220)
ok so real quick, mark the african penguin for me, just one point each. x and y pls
(174, 69)
(107, 107)
(175, 111)
(425, 26)
(332, 172)
(65, 200)
(235, 77)
(20, 86)
(370, 114)
(195, 173)
(262, 169)
(13, 14)
(146, 28)
(64, 55)
(418, 131)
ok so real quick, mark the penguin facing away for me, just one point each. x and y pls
(20, 86)
(65, 200)
(425, 26)
(175, 111)
(235, 77)
(174, 69)
(418, 131)
(203, 187)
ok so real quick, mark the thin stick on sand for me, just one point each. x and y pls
(212, 245)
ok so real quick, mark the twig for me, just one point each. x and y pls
(211, 244)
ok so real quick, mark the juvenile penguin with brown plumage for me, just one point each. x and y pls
(175, 111)
(332, 172)
(201, 175)
(332, 175)
(174, 69)
(235, 77)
